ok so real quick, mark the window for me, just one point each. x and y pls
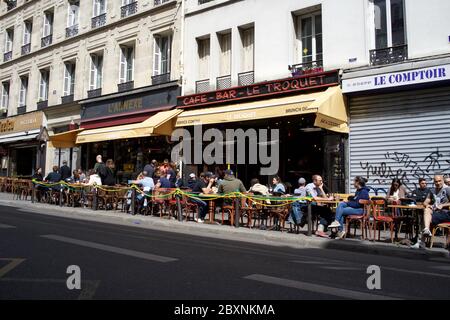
(23, 91)
(389, 23)
(309, 33)
(203, 58)
(44, 84)
(73, 14)
(5, 97)
(225, 54)
(48, 24)
(96, 76)
(99, 7)
(248, 54)
(161, 55)
(69, 78)
(9, 39)
(126, 63)
(27, 31)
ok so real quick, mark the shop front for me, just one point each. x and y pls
(399, 123)
(22, 144)
(307, 112)
(129, 128)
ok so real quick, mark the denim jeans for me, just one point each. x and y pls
(344, 210)
(297, 212)
(202, 208)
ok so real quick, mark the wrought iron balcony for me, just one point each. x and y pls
(161, 78)
(99, 21)
(388, 55)
(223, 82)
(128, 9)
(26, 48)
(46, 41)
(42, 104)
(71, 31)
(306, 68)
(21, 109)
(202, 86)
(11, 4)
(125, 86)
(7, 56)
(67, 99)
(158, 2)
(203, 1)
(94, 93)
(246, 78)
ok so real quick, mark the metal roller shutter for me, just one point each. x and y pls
(403, 135)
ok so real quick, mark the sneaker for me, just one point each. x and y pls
(426, 232)
(198, 220)
(341, 235)
(334, 224)
(321, 234)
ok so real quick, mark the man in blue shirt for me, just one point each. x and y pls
(147, 185)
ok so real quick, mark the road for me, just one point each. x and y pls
(125, 262)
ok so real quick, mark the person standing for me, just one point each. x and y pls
(65, 171)
(100, 167)
(150, 168)
(109, 178)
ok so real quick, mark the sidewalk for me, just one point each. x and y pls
(272, 238)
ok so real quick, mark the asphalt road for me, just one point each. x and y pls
(119, 262)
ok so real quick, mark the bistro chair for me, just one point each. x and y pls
(361, 219)
(228, 209)
(403, 218)
(379, 218)
(121, 198)
(249, 208)
(278, 214)
(444, 227)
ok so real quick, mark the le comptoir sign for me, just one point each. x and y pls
(20, 123)
(271, 88)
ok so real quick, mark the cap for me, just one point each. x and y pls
(192, 175)
(229, 172)
(208, 174)
(301, 181)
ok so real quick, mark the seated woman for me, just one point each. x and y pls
(351, 207)
(396, 192)
(279, 188)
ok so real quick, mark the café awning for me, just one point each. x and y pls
(328, 105)
(161, 123)
(65, 139)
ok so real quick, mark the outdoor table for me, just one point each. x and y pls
(324, 201)
(210, 198)
(416, 217)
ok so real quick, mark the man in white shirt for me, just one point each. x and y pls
(315, 190)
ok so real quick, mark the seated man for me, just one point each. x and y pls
(54, 177)
(315, 190)
(436, 205)
(230, 184)
(352, 207)
(147, 185)
(296, 216)
(202, 186)
(422, 192)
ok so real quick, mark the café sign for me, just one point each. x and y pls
(26, 122)
(271, 88)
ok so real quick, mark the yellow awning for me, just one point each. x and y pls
(161, 123)
(65, 140)
(329, 105)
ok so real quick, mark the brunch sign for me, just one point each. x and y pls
(270, 88)
(19, 123)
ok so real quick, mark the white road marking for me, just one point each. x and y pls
(6, 226)
(104, 247)
(14, 262)
(317, 288)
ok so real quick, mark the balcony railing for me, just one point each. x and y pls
(67, 99)
(125, 86)
(223, 82)
(388, 55)
(94, 93)
(42, 104)
(21, 109)
(7, 56)
(11, 4)
(306, 68)
(246, 78)
(202, 86)
(203, 1)
(161, 78)
(128, 9)
(26, 48)
(46, 41)
(71, 31)
(99, 21)
(158, 2)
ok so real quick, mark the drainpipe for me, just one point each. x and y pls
(182, 47)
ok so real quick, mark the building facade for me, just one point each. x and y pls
(63, 57)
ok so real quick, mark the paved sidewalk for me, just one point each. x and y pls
(272, 238)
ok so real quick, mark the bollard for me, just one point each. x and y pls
(309, 219)
(33, 192)
(180, 213)
(133, 201)
(236, 211)
(94, 200)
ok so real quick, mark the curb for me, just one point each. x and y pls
(296, 241)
